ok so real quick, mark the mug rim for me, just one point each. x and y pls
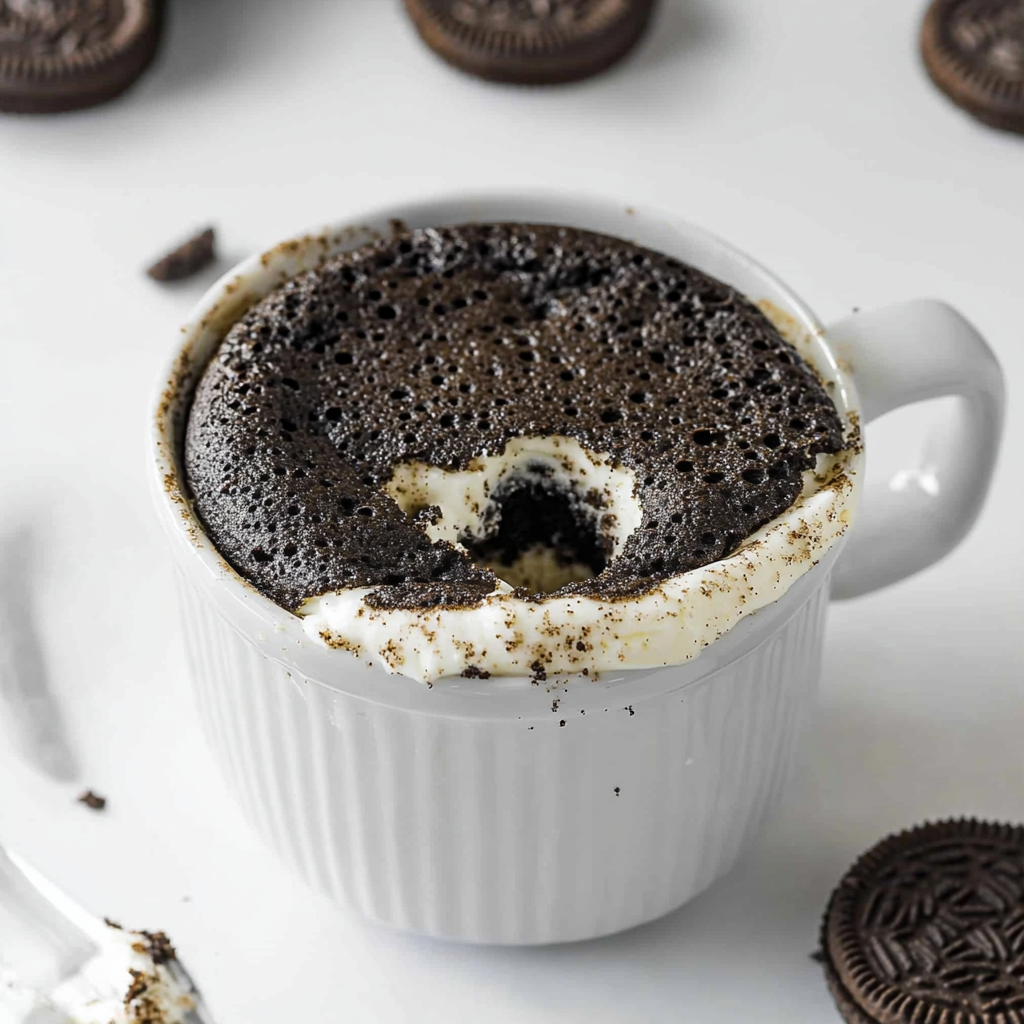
(246, 283)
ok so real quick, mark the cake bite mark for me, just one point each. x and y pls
(544, 513)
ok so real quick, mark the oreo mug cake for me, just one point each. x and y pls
(585, 472)
(537, 426)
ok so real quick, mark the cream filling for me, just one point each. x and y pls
(540, 571)
(508, 635)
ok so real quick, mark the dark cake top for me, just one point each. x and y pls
(439, 346)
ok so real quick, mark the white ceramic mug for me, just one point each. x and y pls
(472, 811)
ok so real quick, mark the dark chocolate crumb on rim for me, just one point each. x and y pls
(974, 52)
(531, 42)
(928, 926)
(57, 57)
(187, 259)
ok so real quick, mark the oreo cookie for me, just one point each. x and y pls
(974, 52)
(531, 42)
(64, 55)
(928, 928)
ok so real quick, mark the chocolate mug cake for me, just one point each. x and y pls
(498, 413)
(490, 809)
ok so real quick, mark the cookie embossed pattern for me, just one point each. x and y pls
(531, 42)
(929, 926)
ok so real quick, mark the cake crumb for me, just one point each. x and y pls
(187, 259)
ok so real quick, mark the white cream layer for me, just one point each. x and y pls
(508, 635)
(121, 985)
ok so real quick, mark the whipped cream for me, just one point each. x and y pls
(511, 635)
(133, 979)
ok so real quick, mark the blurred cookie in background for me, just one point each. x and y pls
(974, 52)
(59, 55)
(531, 42)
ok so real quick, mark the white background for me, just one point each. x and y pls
(804, 132)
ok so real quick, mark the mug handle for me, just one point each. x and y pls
(898, 355)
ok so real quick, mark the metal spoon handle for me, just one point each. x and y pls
(37, 939)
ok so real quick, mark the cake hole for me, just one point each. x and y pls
(543, 537)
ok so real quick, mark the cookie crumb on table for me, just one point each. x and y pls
(92, 800)
(187, 259)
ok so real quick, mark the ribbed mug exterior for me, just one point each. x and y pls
(590, 817)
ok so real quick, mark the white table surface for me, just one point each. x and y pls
(806, 133)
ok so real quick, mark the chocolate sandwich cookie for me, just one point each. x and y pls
(974, 52)
(442, 347)
(531, 42)
(59, 55)
(928, 928)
